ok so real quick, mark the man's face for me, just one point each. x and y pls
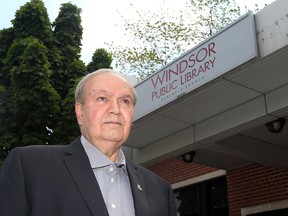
(107, 113)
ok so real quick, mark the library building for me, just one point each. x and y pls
(214, 122)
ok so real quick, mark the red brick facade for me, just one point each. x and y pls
(175, 170)
(247, 186)
(255, 184)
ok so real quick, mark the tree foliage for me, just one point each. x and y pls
(212, 15)
(67, 127)
(34, 108)
(160, 37)
(31, 103)
(100, 59)
(68, 33)
(7, 37)
(32, 20)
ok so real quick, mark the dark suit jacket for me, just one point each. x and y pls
(58, 180)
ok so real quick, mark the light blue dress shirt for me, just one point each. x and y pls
(113, 180)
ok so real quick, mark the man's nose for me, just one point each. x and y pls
(114, 107)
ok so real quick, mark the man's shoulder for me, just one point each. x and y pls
(37, 151)
(39, 148)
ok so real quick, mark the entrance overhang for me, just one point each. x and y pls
(223, 121)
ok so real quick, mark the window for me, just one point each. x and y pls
(207, 198)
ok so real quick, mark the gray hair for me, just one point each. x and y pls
(80, 89)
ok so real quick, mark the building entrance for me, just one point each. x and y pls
(207, 198)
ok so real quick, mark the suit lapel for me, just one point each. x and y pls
(138, 190)
(79, 167)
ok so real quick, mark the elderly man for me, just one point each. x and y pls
(91, 176)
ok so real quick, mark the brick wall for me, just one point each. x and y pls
(247, 186)
(255, 184)
(175, 170)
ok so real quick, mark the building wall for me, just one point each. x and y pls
(255, 184)
(249, 185)
(175, 170)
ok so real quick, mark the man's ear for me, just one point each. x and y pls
(79, 112)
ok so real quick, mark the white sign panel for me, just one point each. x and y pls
(228, 49)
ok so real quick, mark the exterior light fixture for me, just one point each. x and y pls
(188, 157)
(276, 126)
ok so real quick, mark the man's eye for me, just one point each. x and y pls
(101, 99)
(125, 101)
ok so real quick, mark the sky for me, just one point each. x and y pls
(101, 20)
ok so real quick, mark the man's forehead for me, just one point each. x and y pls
(103, 84)
(110, 76)
(102, 80)
(120, 93)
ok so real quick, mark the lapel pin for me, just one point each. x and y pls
(139, 187)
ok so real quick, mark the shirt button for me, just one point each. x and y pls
(111, 169)
(112, 180)
(113, 206)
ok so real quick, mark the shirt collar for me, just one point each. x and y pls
(98, 159)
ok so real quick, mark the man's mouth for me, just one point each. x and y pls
(113, 123)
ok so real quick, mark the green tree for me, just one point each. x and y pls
(212, 15)
(67, 128)
(68, 33)
(3, 150)
(32, 20)
(31, 55)
(160, 37)
(31, 103)
(100, 59)
(7, 37)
